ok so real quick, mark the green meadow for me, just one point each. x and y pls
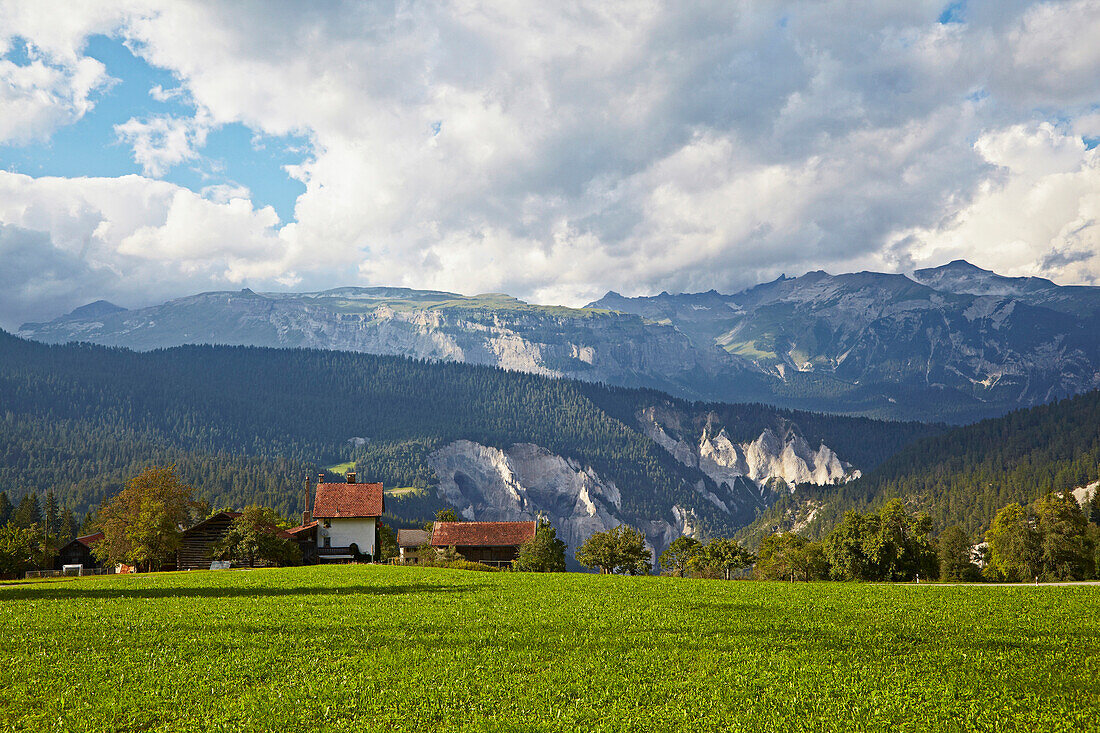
(374, 648)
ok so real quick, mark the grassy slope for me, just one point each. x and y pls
(383, 648)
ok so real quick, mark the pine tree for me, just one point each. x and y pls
(6, 508)
(66, 528)
(28, 512)
(50, 513)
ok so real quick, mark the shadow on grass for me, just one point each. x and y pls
(53, 593)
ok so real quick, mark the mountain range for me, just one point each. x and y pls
(246, 425)
(954, 343)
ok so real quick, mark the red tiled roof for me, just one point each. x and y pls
(481, 534)
(90, 539)
(348, 501)
(295, 531)
(411, 537)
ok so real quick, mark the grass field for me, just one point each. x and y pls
(363, 648)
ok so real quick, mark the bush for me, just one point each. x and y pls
(469, 565)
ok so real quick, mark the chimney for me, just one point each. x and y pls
(307, 515)
(351, 477)
(321, 477)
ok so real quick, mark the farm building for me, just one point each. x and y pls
(197, 541)
(492, 543)
(408, 542)
(306, 536)
(347, 516)
(79, 552)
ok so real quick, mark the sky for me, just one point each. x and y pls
(553, 151)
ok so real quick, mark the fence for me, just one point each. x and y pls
(72, 572)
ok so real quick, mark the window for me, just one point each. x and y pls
(326, 523)
(328, 542)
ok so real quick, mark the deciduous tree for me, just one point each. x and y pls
(677, 557)
(1015, 545)
(621, 549)
(954, 555)
(543, 553)
(253, 538)
(141, 524)
(18, 549)
(722, 555)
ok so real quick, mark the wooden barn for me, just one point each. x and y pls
(194, 551)
(79, 552)
(492, 543)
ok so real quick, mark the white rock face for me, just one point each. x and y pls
(489, 484)
(767, 457)
(1084, 494)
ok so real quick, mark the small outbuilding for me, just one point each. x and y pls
(79, 552)
(198, 541)
(491, 543)
(408, 543)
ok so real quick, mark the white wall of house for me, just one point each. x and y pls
(344, 532)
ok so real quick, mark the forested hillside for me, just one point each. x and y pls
(249, 424)
(966, 475)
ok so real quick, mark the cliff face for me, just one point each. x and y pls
(491, 330)
(526, 480)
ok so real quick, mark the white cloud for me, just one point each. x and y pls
(1038, 212)
(138, 238)
(161, 142)
(38, 97)
(556, 151)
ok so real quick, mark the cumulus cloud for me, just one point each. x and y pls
(1038, 210)
(45, 93)
(134, 236)
(557, 151)
(162, 142)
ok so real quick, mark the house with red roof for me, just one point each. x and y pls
(492, 543)
(347, 516)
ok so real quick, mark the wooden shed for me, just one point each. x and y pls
(197, 541)
(79, 552)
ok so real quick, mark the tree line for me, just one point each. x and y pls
(249, 424)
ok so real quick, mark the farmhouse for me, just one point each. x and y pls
(197, 541)
(347, 516)
(408, 542)
(79, 552)
(492, 543)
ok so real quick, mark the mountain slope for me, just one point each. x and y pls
(953, 343)
(964, 476)
(248, 424)
(862, 341)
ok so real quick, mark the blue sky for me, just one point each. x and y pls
(232, 155)
(553, 152)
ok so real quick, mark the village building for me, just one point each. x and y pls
(491, 543)
(347, 516)
(79, 552)
(197, 542)
(305, 535)
(409, 542)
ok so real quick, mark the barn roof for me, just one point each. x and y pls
(348, 501)
(411, 537)
(89, 539)
(219, 516)
(481, 534)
